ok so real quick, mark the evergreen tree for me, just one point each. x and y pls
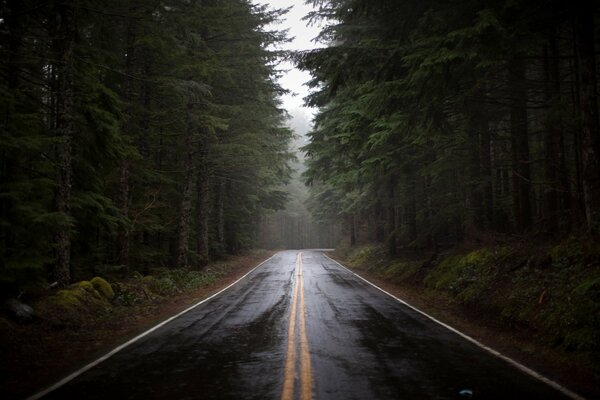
(429, 113)
(138, 133)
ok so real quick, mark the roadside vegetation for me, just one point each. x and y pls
(72, 326)
(440, 123)
(547, 295)
(135, 135)
(460, 143)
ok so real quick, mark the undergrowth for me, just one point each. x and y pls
(551, 292)
(83, 302)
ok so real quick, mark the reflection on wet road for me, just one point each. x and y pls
(302, 327)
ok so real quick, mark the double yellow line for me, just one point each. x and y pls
(306, 384)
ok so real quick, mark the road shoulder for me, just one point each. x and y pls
(557, 365)
(37, 355)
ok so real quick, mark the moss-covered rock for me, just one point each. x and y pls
(103, 287)
(85, 285)
(74, 305)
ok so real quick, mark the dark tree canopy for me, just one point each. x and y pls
(447, 121)
(135, 133)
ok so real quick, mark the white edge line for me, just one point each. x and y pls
(117, 349)
(496, 353)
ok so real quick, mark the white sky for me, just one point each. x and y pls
(294, 79)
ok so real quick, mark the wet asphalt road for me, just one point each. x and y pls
(350, 341)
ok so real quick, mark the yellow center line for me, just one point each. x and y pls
(290, 362)
(305, 368)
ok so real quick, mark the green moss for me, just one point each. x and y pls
(468, 276)
(446, 275)
(67, 298)
(362, 254)
(369, 257)
(85, 285)
(551, 293)
(401, 271)
(73, 306)
(478, 256)
(103, 287)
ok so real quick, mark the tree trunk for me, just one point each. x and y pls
(185, 213)
(474, 200)
(390, 218)
(379, 222)
(220, 214)
(520, 145)
(590, 132)
(352, 223)
(487, 190)
(203, 203)
(555, 172)
(123, 205)
(411, 207)
(63, 45)
(123, 232)
(14, 25)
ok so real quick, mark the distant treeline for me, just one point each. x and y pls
(286, 231)
(135, 133)
(444, 121)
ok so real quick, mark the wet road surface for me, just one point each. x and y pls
(302, 327)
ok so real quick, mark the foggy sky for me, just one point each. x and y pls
(294, 79)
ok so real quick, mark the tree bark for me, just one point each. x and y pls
(14, 23)
(379, 221)
(203, 203)
(123, 205)
(390, 218)
(185, 213)
(220, 215)
(487, 190)
(475, 199)
(556, 194)
(520, 145)
(63, 45)
(123, 233)
(411, 207)
(352, 223)
(590, 132)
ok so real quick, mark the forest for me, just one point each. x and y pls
(448, 122)
(135, 134)
(145, 133)
(149, 167)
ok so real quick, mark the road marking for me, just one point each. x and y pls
(305, 367)
(290, 362)
(117, 349)
(496, 353)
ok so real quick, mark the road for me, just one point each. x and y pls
(302, 327)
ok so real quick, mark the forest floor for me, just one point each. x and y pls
(37, 354)
(517, 331)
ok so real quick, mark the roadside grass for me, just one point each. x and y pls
(550, 293)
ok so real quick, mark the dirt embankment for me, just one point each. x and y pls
(76, 325)
(539, 305)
